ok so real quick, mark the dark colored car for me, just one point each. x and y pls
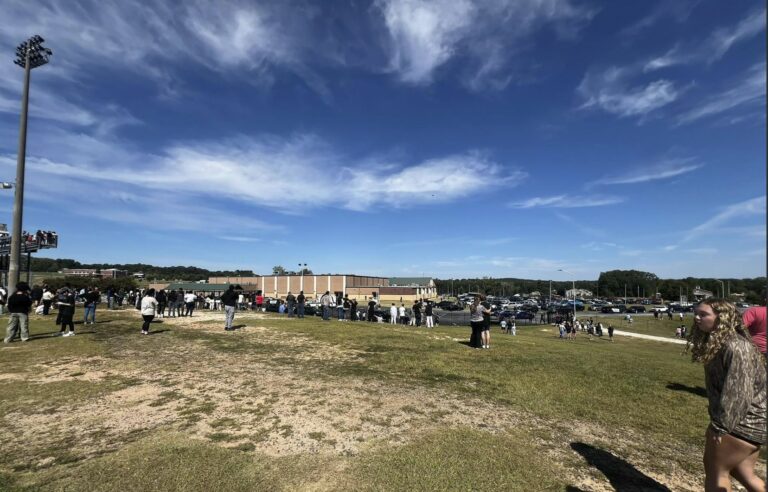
(616, 308)
(525, 315)
(636, 309)
(454, 307)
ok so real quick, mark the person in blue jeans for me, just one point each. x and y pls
(326, 301)
(340, 306)
(92, 297)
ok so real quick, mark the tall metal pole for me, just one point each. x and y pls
(18, 202)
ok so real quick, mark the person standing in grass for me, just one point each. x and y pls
(476, 322)
(610, 332)
(66, 304)
(735, 377)
(92, 297)
(430, 316)
(512, 329)
(19, 305)
(290, 300)
(301, 299)
(229, 299)
(325, 301)
(754, 321)
(47, 300)
(148, 310)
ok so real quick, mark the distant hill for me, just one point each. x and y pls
(189, 273)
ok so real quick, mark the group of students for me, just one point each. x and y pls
(568, 328)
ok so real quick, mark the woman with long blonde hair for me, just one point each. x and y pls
(735, 378)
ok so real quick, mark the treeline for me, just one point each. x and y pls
(186, 273)
(612, 284)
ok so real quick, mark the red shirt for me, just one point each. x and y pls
(754, 320)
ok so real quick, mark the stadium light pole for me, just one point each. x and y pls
(722, 289)
(573, 279)
(29, 54)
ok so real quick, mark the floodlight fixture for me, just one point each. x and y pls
(6, 186)
(33, 52)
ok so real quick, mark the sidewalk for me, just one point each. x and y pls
(649, 337)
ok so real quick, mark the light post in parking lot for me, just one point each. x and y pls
(573, 280)
(302, 267)
(722, 288)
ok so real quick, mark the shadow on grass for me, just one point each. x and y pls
(621, 474)
(694, 390)
(157, 332)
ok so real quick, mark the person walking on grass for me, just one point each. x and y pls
(18, 305)
(148, 310)
(230, 300)
(512, 328)
(67, 312)
(735, 378)
(610, 332)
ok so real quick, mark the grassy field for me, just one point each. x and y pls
(304, 405)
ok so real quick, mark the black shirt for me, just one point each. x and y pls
(19, 302)
(229, 298)
(301, 298)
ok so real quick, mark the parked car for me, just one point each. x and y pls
(618, 308)
(453, 307)
(636, 309)
(525, 315)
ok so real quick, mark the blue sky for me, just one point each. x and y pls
(449, 138)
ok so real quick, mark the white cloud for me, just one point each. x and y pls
(714, 47)
(610, 91)
(567, 201)
(426, 35)
(679, 11)
(723, 39)
(747, 208)
(294, 175)
(667, 168)
(747, 92)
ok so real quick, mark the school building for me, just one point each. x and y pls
(362, 288)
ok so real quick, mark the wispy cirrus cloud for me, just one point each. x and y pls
(612, 91)
(667, 168)
(714, 47)
(678, 11)
(748, 208)
(747, 92)
(566, 201)
(425, 35)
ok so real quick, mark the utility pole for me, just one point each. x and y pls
(29, 54)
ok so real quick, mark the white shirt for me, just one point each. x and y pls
(190, 297)
(393, 311)
(148, 305)
(402, 310)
